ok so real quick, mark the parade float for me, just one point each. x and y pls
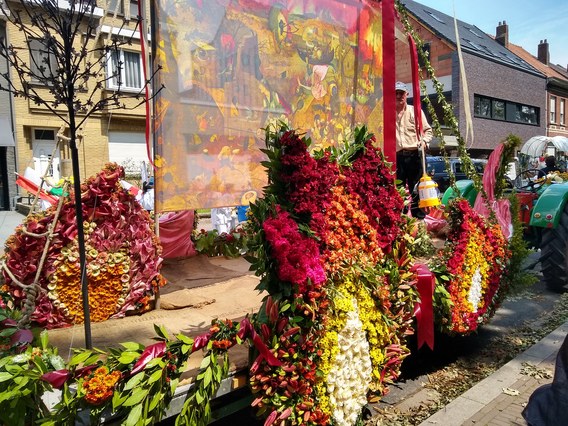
(330, 240)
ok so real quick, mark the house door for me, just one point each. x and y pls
(43, 144)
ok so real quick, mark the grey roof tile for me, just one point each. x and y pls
(472, 39)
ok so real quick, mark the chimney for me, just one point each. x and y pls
(502, 34)
(543, 53)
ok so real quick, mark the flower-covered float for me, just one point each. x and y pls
(334, 252)
(122, 254)
(330, 249)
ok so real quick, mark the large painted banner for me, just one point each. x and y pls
(232, 67)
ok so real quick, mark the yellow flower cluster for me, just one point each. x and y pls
(329, 347)
(373, 324)
(108, 282)
(476, 261)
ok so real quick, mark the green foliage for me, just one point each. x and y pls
(196, 410)
(211, 243)
(21, 387)
(8, 320)
(346, 153)
(421, 244)
(516, 277)
(146, 379)
(510, 146)
(442, 301)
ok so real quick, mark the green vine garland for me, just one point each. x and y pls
(449, 117)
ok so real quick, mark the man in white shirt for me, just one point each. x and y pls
(408, 145)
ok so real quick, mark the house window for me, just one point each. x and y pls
(42, 62)
(115, 6)
(498, 109)
(482, 107)
(123, 8)
(125, 70)
(553, 109)
(562, 110)
(133, 8)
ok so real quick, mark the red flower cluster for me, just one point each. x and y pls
(118, 224)
(372, 179)
(308, 180)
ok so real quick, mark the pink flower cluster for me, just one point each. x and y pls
(297, 256)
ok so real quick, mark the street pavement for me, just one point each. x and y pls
(9, 220)
(497, 400)
(500, 398)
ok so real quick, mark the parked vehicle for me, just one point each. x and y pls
(436, 169)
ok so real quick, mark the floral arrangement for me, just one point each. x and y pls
(132, 384)
(122, 254)
(469, 270)
(229, 244)
(330, 250)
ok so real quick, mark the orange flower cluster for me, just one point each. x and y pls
(223, 334)
(99, 388)
(108, 284)
(348, 235)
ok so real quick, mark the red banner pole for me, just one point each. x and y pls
(389, 64)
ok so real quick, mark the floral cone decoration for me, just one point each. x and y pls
(469, 271)
(122, 253)
(330, 249)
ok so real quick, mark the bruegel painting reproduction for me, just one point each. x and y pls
(230, 68)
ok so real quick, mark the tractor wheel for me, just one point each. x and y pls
(554, 254)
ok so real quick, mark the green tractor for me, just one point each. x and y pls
(543, 210)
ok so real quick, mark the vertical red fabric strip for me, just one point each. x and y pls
(146, 84)
(424, 310)
(415, 87)
(389, 68)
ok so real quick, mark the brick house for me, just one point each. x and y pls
(556, 84)
(506, 93)
(111, 135)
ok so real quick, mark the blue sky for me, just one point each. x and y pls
(529, 21)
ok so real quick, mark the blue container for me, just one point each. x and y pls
(242, 213)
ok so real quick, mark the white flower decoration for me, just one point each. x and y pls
(350, 375)
(474, 295)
